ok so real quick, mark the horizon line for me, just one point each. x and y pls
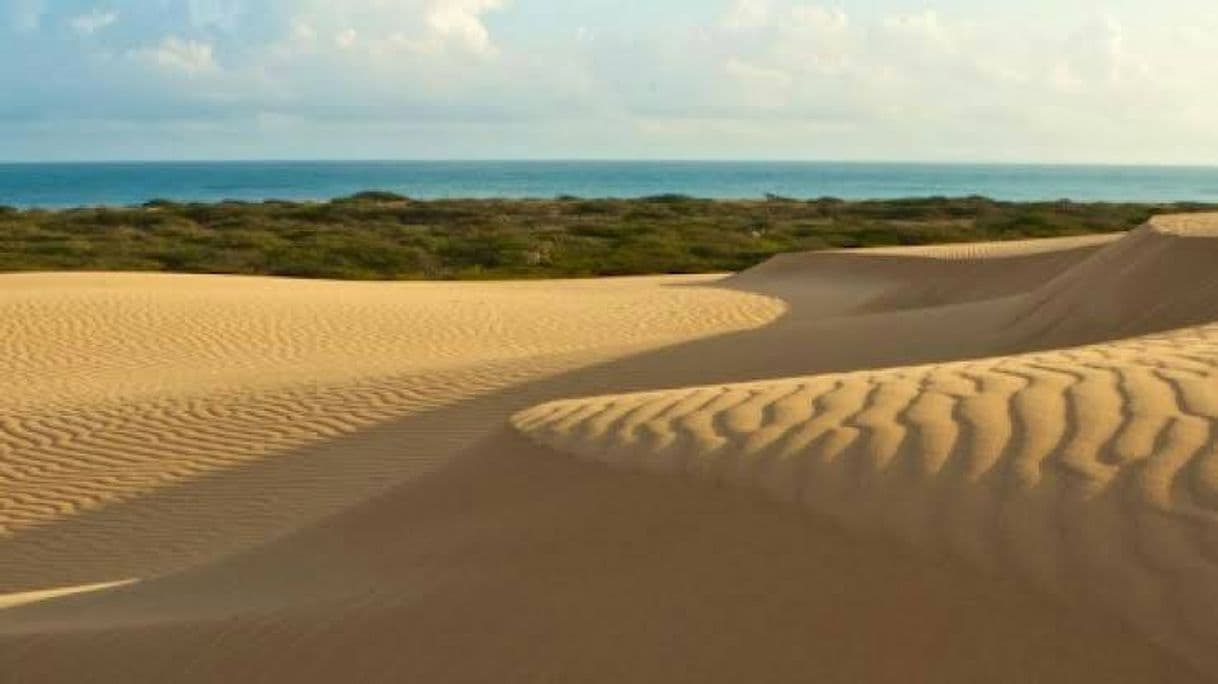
(605, 160)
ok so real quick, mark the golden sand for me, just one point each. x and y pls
(1004, 456)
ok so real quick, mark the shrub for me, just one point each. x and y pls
(374, 196)
(379, 234)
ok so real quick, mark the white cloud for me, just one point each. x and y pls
(952, 80)
(819, 20)
(94, 21)
(785, 18)
(786, 38)
(184, 56)
(384, 29)
(460, 22)
(747, 14)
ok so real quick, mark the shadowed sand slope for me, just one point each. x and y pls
(118, 388)
(316, 481)
(514, 565)
(885, 279)
(1159, 277)
(1091, 470)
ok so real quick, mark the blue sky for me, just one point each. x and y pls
(984, 80)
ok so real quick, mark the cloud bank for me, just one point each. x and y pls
(586, 78)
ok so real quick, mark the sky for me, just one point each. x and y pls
(1058, 81)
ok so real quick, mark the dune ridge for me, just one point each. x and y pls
(118, 386)
(1091, 470)
(373, 482)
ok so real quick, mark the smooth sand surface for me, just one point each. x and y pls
(1004, 458)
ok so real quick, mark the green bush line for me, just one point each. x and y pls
(383, 236)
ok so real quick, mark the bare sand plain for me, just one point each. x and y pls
(953, 464)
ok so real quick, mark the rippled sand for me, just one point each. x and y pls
(1005, 458)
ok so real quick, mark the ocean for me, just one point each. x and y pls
(57, 185)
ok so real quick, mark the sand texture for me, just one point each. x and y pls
(950, 464)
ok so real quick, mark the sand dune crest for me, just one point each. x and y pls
(118, 389)
(318, 481)
(1090, 470)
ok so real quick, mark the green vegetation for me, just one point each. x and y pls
(380, 235)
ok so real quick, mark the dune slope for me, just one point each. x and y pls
(256, 480)
(119, 389)
(1090, 470)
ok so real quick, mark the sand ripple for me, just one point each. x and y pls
(1092, 471)
(120, 387)
(253, 452)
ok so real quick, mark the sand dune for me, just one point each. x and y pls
(885, 279)
(120, 387)
(1157, 278)
(1090, 470)
(1093, 470)
(1009, 453)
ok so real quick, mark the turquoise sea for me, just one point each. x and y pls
(54, 185)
